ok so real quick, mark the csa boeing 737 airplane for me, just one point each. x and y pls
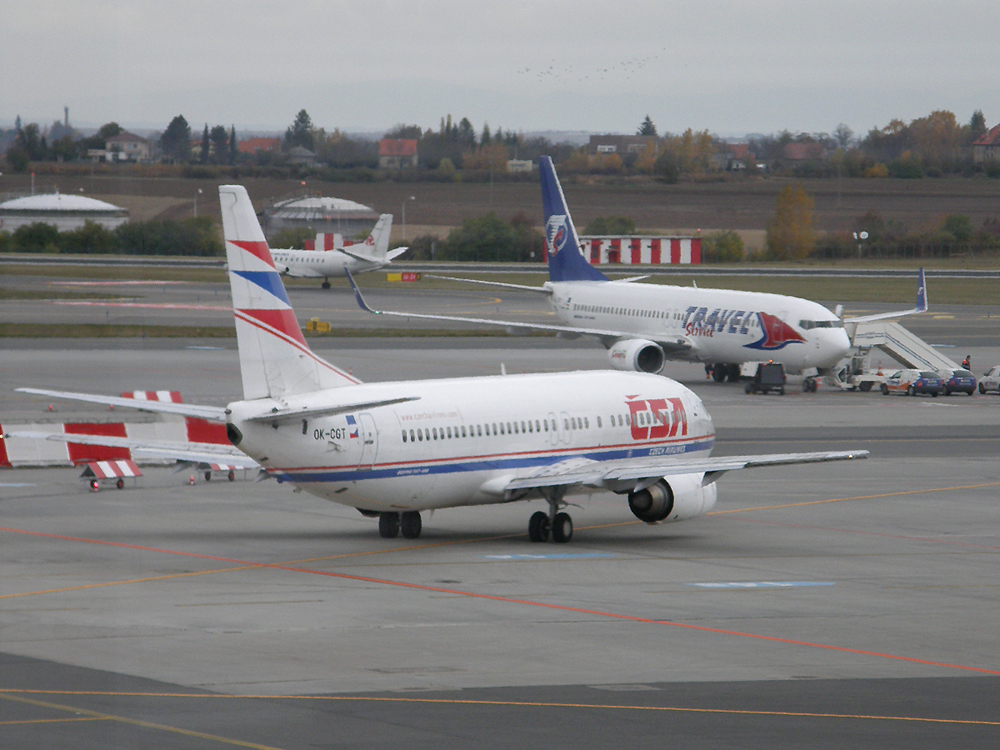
(325, 263)
(642, 325)
(394, 449)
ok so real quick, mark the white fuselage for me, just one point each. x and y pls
(462, 440)
(320, 264)
(721, 325)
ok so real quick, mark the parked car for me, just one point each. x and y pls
(912, 382)
(770, 376)
(990, 381)
(958, 381)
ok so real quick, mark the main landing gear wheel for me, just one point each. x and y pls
(120, 484)
(538, 527)
(326, 284)
(231, 475)
(555, 522)
(562, 528)
(388, 525)
(410, 524)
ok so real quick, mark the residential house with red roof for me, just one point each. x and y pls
(987, 146)
(397, 153)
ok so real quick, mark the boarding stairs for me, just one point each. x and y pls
(898, 343)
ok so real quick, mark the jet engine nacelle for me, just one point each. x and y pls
(681, 498)
(637, 355)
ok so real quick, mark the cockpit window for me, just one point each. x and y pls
(808, 325)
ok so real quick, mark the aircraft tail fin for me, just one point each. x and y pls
(375, 247)
(566, 259)
(274, 357)
(378, 241)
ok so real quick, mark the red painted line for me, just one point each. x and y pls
(522, 602)
(116, 283)
(141, 305)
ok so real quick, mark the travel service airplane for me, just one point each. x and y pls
(395, 449)
(642, 325)
(332, 258)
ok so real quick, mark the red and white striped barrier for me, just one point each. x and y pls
(642, 250)
(32, 452)
(111, 469)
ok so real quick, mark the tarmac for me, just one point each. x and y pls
(825, 606)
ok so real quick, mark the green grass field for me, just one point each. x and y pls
(831, 291)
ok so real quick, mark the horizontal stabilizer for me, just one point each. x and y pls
(216, 413)
(280, 416)
(196, 452)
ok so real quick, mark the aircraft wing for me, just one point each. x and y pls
(522, 287)
(678, 344)
(921, 306)
(619, 474)
(213, 453)
(215, 413)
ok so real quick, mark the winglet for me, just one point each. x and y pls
(921, 292)
(357, 295)
(921, 306)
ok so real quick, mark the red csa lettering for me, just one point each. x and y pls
(669, 418)
(635, 408)
(678, 417)
(661, 418)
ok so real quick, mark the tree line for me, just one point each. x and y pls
(195, 236)
(930, 146)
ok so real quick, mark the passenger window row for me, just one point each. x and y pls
(622, 311)
(515, 427)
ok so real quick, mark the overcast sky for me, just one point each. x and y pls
(729, 67)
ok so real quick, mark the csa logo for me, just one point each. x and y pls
(352, 426)
(556, 233)
(657, 418)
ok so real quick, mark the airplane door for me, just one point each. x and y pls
(369, 441)
(554, 424)
(565, 434)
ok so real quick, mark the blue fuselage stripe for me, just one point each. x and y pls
(453, 466)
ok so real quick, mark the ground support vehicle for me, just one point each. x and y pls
(990, 381)
(958, 381)
(913, 383)
(770, 376)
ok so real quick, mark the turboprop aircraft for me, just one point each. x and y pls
(642, 325)
(326, 262)
(394, 449)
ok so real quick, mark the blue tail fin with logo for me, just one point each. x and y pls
(566, 259)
